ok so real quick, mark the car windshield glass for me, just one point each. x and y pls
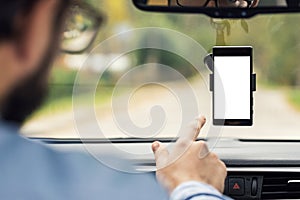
(150, 92)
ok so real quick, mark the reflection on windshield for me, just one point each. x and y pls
(276, 44)
(222, 3)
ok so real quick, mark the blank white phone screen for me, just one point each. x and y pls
(232, 87)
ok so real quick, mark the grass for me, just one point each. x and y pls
(54, 105)
(60, 95)
(294, 98)
(292, 94)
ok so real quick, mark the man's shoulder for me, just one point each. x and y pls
(79, 174)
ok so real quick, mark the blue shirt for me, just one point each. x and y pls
(30, 170)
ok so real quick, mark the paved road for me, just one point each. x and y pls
(274, 117)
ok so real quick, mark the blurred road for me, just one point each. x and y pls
(274, 117)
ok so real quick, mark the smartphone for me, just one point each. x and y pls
(232, 86)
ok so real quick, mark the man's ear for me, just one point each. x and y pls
(35, 35)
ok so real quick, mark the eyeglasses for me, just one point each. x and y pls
(81, 28)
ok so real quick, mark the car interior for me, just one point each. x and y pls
(134, 72)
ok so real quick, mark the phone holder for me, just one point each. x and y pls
(208, 61)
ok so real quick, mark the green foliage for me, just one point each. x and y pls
(284, 68)
(62, 75)
(294, 98)
(276, 42)
(166, 58)
(275, 38)
(61, 83)
(61, 93)
(276, 45)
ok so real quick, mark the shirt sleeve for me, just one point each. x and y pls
(194, 190)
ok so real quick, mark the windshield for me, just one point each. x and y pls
(151, 92)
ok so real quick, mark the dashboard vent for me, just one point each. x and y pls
(281, 186)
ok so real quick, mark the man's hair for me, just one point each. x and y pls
(10, 9)
(8, 12)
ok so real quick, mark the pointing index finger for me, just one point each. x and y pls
(193, 130)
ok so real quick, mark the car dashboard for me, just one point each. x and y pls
(257, 169)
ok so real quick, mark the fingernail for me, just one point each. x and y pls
(155, 146)
(202, 120)
(199, 116)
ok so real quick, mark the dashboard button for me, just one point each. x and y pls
(236, 186)
(254, 187)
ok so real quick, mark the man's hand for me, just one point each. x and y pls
(238, 3)
(189, 161)
(220, 3)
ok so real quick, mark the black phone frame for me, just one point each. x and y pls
(233, 51)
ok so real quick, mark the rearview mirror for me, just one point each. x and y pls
(220, 8)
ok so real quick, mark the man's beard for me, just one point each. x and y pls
(29, 94)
